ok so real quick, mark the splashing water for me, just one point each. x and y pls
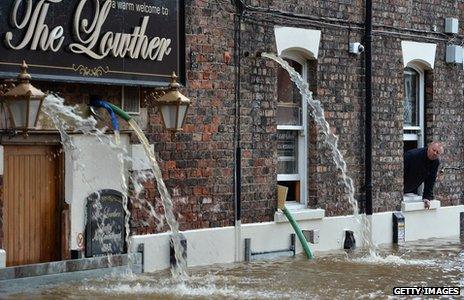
(331, 140)
(178, 271)
(67, 118)
(60, 114)
(124, 187)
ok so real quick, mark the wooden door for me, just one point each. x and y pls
(31, 209)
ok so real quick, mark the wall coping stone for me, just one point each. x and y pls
(300, 215)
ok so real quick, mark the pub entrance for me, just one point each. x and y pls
(33, 197)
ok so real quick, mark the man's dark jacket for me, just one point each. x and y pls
(418, 168)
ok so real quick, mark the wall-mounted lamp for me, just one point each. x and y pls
(173, 106)
(23, 102)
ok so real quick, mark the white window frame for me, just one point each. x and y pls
(302, 138)
(419, 135)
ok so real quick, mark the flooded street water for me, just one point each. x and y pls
(336, 275)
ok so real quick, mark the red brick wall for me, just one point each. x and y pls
(199, 162)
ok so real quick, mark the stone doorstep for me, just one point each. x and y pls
(67, 266)
(300, 215)
(419, 205)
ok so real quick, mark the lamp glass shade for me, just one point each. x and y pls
(18, 109)
(169, 113)
(34, 110)
(181, 116)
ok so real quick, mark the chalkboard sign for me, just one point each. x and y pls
(105, 230)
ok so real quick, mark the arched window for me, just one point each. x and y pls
(292, 133)
(413, 103)
(300, 48)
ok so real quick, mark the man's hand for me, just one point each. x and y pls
(426, 203)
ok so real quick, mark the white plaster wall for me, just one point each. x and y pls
(204, 247)
(431, 223)
(92, 167)
(140, 160)
(216, 245)
(382, 228)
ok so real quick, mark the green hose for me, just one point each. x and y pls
(298, 232)
(120, 112)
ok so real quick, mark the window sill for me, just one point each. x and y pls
(419, 205)
(300, 215)
(290, 127)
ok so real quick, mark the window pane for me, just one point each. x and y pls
(293, 193)
(287, 152)
(411, 98)
(288, 97)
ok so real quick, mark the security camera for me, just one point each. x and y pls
(356, 48)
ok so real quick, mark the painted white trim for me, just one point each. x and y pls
(288, 177)
(289, 127)
(419, 53)
(417, 128)
(302, 138)
(410, 137)
(216, 245)
(419, 136)
(300, 40)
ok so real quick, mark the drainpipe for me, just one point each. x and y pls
(238, 151)
(368, 107)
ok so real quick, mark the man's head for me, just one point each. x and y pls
(434, 150)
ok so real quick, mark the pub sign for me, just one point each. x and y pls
(127, 42)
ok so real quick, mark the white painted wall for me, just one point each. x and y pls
(216, 245)
(92, 167)
(431, 223)
(140, 160)
(2, 258)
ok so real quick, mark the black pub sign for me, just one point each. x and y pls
(105, 229)
(127, 42)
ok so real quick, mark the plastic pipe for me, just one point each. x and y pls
(95, 102)
(125, 116)
(298, 232)
(112, 109)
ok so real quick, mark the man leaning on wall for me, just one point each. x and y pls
(421, 166)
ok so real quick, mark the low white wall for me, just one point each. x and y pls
(92, 167)
(216, 245)
(2, 258)
(440, 222)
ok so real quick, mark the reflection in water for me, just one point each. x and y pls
(330, 276)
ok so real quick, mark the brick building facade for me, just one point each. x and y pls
(202, 165)
(199, 163)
